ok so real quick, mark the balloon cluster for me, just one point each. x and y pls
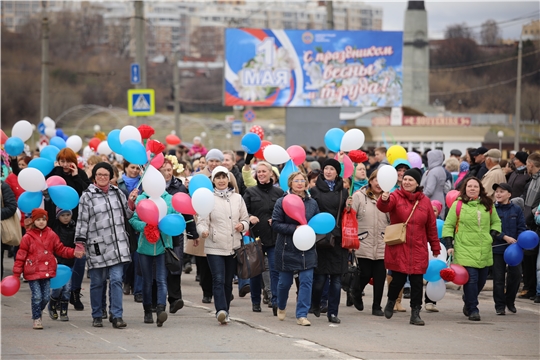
(527, 240)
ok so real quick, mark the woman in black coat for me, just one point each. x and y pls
(332, 262)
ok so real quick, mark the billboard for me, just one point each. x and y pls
(320, 68)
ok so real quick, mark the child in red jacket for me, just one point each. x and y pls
(36, 260)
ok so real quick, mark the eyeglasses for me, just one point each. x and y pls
(299, 181)
(102, 175)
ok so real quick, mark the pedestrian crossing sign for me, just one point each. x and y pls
(141, 102)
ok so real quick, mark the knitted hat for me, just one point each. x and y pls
(437, 204)
(522, 156)
(334, 163)
(415, 173)
(214, 154)
(103, 165)
(220, 169)
(62, 211)
(38, 214)
(464, 166)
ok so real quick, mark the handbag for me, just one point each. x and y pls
(250, 259)
(349, 230)
(327, 241)
(351, 277)
(172, 261)
(11, 229)
(396, 234)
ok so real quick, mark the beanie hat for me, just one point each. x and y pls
(38, 214)
(464, 166)
(334, 163)
(103, 165)
(215, 154)
(437, 204)
(62, 211)
(522, 156)
(415, 173)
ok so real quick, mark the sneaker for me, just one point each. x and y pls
(175, 306)
(187, 268)
(303, 321)
(97, 322)
(281, 314)
(500, 311)
(118, 323)
(227, 319)
(37, 324)
(206, 299)
(256, 307)
(104, 314)
(475, 316)
(377, 312)
(430, 307)
(222, 317)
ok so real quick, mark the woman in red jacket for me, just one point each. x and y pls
(410, 258)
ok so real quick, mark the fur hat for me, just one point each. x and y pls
(334, 163)
(415, 173)
(38, 214)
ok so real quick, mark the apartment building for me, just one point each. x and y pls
(16, 14)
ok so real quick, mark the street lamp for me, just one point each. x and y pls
(500, 135)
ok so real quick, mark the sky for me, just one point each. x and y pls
(444, 13)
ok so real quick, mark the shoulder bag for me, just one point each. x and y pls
(172, 261)
(250, 259)
(11, 229)
(327, 241)
(396, 234)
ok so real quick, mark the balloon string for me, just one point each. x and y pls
(142, 176)
(352, 180)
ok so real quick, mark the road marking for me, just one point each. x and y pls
(107, 341)
(122, 348)
(324, 351)
(75, 326)
(141, 357)
(88, 332)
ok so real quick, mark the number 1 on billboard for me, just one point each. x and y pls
(267, 48)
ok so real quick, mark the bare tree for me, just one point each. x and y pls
(119, 36)
(458, 31)
(207, 41)
(89, 27)
(489, 35)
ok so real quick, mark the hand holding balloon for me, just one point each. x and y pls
(385, 196)
(509, 239)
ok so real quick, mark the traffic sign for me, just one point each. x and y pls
(249, 115)
(135, 74)
(237, 127)
(141, 102)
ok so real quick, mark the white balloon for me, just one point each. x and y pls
(352, 140)
(442, 256)
(50, 132)
(130, 132)
(74, 142)
(31, 179)
(435, 290)
(87, 152)
(304, 237)
(276, 155)
(49, 123)
(22, 129)
(153, 182)
(103, 148)
(203, 201)
(161, 205)
(387, 177)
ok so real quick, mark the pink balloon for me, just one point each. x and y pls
(414, 159)
(10, 285)
(297, 154)
(348, 166)
(462, 275)
(55, 180)
(181, 202)
(148, 212)
(451, 197)
(157, 161)
(294, 208)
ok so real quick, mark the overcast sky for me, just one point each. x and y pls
(444, 13)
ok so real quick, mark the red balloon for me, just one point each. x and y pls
(10, 285)
(172, 139)
(462, 275)
(55, 180)
(260, 154)
(297, 154)
(181, 202)
(451, 197)
(94, 143)
(148, 212)
(294, 208)
(256, 129)
(3, 137)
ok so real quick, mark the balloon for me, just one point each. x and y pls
(527, 240)
(414, 159)
(387, 177)
(172, 139)
(348, 166)
(276, 155)
(10, 285)
(63, 275)
(31, 179)
(462, 275)
(352, 140)
(433, 272)
(294, 208)
(288, 169)
(513, 255)
(29, 201)
(14, 146)
(162, 206)
(94, 143)
(257, 129)
(199, 181)
(22, 129)
(60, 133)
(42, 164)
(264, 144)
(113, 140)
(297, 154)
(55, 180)
(58, 142)
(332, 139)
(246, 239)
(49, 123)
(49, 152)
(451, 196)
(64, 196)
(103, 148)
(440, 224)
(50, 132)
(396, 152)
(130, 132)
(203, 201)
(157, 161)
(148, 211)
(181, 202)
(435, 290)
(134, 152)
(251, 143)
(172, 224)
(153, 181)
(74, 142)
(304, 237)
(3, 137)
(442, 256)
(322, 223)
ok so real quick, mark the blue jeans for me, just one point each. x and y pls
(148, 263)
(304, 292)
(334, 292)
(222, 269)
(255, 283)
(477, 280)
(77, 273)
(98, 277)
(62, 293)
(40, 296)
(242, 283)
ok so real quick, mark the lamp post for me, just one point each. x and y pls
(500, 135)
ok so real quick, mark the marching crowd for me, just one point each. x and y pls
(498, 199)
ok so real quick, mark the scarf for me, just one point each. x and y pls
(331, 184)
(105, 189)
(130, 182)
(265, 187)
(358, 184)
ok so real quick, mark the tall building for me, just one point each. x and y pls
(16, 14)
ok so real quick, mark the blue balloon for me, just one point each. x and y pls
(527, 240)
(251, 143)
(14, 146)
(49, 152)
(58, 142)
(440, 224)
(42, 164)
(332, 139)
(64, 196)
(513, 255)
(60, 133)
(172, 224)
(113, 140)
(288, 169)
(200, 181)
(63, 274)
(247, 239)
(322, 223)
(134, 152)
(65, 137)
(29, 201)
(41, 128)
(433, 272)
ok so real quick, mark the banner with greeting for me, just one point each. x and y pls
(313, 68)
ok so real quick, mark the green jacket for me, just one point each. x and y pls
(472, 241)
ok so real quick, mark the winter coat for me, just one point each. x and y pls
(482, 170)
(517, 180)
(197, 149)
(412, 256)
(260, 201)
(66, 232)
(331, 261)
(35, 257)
(79, 182)
(435, 177)
(371, 225)
(9, 207)
(495, 175)
(287, 257)
(101, 227)
(531, 196)
(229, 210)
(13, 181)
(239, 180)
(472, 240)
(513, 224)
(247, 177)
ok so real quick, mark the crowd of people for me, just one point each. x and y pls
(498, 199)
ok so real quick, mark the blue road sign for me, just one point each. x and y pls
(141, 102)
(135, 73)
(237, 127)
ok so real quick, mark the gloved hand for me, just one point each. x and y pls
(448, 242)
(249, 157)
(494, 234)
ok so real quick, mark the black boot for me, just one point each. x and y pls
(415, 316)
(389, 308)
(161, 315)
(54, 305)
(148, 317)
(64, 311)
(75, 300)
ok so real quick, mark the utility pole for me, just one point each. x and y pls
(44, 106)
(329, 15)
(518, 97)
(176, 84)
(140, 51)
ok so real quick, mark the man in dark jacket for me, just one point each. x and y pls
(480, 159)
(519, 178)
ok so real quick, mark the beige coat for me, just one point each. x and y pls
(495, 175)
(371, 226)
